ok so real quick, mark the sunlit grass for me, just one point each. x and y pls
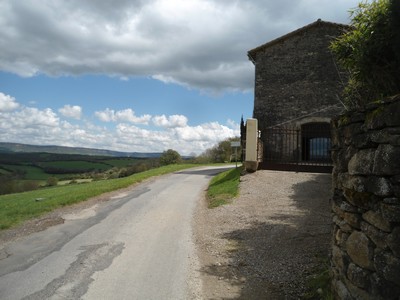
(16, 208)
(223, 188)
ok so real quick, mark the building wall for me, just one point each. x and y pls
(297, 78)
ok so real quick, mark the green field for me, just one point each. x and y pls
(122, 162)
(74, 166)
(30, 172)
(19, 207)
(40, 166)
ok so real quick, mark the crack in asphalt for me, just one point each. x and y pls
(77, 278)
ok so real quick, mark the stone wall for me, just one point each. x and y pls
(366, 203)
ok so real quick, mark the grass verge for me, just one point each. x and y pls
(223, 188)
(17, 208)
(319, 284)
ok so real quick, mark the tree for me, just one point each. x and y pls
(170, 157)
(371, 52)
(220, 153)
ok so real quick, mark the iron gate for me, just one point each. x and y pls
(303, 149)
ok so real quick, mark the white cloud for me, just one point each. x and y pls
(170, 121)
(44, 127)
(126, 115)
(7, 103)
(196, 43)
(74, 112)
(233, 124)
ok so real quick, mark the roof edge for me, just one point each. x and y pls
(251, 53)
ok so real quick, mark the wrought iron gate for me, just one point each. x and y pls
(303, 149)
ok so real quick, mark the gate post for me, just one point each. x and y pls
(251, 160)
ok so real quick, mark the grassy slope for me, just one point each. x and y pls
(223, 187)
(16, 208)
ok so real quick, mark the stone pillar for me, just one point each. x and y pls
(251, 160)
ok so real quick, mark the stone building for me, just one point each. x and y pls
(298, 89)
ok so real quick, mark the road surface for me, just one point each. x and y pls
(136, 246)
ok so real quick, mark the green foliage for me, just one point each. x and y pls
(223, 187)
(52, 181)
(170, 157)
(319, 283)
(371, 52)
(16, 208)
(220, 153)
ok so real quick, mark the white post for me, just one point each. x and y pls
(251, 160)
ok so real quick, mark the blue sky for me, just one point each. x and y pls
(136, 75)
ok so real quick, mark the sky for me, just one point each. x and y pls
(138, 75)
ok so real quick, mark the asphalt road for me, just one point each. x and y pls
(137, 246)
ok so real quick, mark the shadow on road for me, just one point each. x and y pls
(272, 259)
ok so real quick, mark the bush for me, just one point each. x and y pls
(52, 181)
(371, 52)
(170, 157)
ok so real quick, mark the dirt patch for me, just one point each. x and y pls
(267, 242)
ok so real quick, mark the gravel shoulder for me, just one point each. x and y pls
(267, 242)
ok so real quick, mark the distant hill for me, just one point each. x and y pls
(15, 147)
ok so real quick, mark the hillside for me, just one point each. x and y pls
(16, 147)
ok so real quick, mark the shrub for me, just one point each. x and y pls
(371, 52)
(170, 157)
(52, 181)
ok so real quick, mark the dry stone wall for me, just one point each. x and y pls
(366, 203)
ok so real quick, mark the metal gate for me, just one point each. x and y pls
(303, 149)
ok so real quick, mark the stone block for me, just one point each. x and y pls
(392, 113)
(377, 236)
(362, 162)
(393, 241)
(361, 200)
(393, 200)
(337, 258)
(341, 202)
(387, 266)
(379, 137)
(341, 291)
(391, 212)
(358, 293)
(360, 250)
(342, 224)
(362, 141)
(353, 220)
(358, 276)
(383, 289)
(386, 160)
(356, 183)
(375, 218)
(350, 131)
(341, 238)
(379, 186)
(375, 119)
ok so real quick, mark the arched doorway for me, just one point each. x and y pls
(316, 142)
